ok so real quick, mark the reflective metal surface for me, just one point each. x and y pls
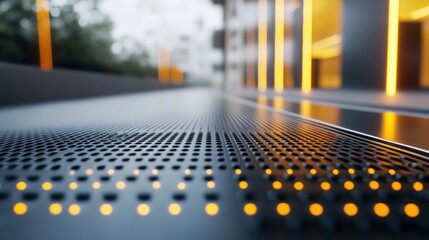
(199, 164)
(383, 123)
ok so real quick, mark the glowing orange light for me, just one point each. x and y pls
(250, 209)
(392, 47)
(163, 66)
(316, 209)
(412, 210)
(44, 32)
(381, 210)
(283, 209)
(176, 75)
(350, 209)
(307, 38)
(250, 60)
(279, 45)
(262, 44)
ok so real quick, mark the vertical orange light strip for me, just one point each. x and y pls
(163, 66)
(176, 75)
(307, 41)
(279, 36)
(392, 47)
(262, 45)
(44, 32)
(250, 58)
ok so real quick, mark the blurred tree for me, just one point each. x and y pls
(81, 38)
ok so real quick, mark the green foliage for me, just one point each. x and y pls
(81, 39)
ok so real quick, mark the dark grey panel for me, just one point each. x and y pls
(29, 85)
(364, 43)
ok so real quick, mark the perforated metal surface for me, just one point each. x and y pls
(220, 169)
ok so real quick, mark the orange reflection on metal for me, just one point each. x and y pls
(388, 128)
(44, 32)
(278, 103)
(262, 44)
(164, 66)
(305, 108)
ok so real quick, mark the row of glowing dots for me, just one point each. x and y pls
(120, 185)
(212, 209)
(350, 209)
(326, 186)
(351, 171)
(174, 209)
(136, 172)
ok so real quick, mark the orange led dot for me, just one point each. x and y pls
(349, 185)
(238, 171)
(20, 208)
(46, 186)
(313, 171)
(335, 172)
(174, 209)
(250, 209)
(212, 209)
(325, 186)
(392, 172)
(316, 209)
(418, 186)
(55, 209)
(21, 186)
(351, 171)
(110, 171)
(181, 186)
(412, 210)
(350, 209)
(396, 186)
(73, 186)
(136, 172)
(89, 172)
(371, 171)
(211, 184)
(74, 209)
(298, 186)
(143, 209)
(187, 172)
(156, 185)
(154, 171)
(289, 171)
(243, 185)
(121, 185)
(283, 209)
(374, 185)
(268, 171)
(381, 210)
(209, 171)
(96, 185)
(106, 209)
(277, 185)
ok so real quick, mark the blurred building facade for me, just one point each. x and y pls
(326, 44)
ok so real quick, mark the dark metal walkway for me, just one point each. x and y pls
(199, 164)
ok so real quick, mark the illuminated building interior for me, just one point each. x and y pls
(214, 119)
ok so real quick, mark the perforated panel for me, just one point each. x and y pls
(234, 171)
